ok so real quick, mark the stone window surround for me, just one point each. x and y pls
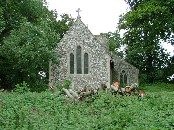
(129, 73)
(124, 75)
(75, 61)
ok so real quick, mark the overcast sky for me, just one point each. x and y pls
(101, 16)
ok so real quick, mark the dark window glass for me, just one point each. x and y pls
(86, 63)
(79, 60)
(71, 63)
(123, 78)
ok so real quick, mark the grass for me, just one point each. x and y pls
(158, 87)
(33, 111)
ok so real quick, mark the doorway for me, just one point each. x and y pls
(113, 73)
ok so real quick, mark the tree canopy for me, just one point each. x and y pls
(147, 24)
(28, 34)
(115, 42)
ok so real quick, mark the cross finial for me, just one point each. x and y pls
(78, 11)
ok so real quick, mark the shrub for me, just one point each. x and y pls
(22, 87)
(65, 84)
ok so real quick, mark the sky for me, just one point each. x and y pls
(101, 16)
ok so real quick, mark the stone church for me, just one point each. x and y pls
(85, 60)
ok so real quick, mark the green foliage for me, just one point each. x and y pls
(102, 111)
(64, 24)
(65, 84)
(158, 87)
(147, 24)
(26, 41)
(115, 42)
(29, 33)
(22, 88)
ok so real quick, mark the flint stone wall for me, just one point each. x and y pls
(79, 35)
(121, 65)
(100, 59)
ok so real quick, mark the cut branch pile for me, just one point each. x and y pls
(131, 90)
(80, 94)
(87, 91)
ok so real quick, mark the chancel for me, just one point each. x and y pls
(85, 60)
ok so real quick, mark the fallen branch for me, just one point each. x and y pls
(74, 94)
(67, 93)
(80, 94)
(85, 93)
(1, 90)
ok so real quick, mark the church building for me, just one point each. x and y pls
(85, 60)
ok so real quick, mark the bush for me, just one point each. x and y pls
(65, 84)
(22, 88)
(39, 86)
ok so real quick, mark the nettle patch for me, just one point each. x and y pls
(100, 111)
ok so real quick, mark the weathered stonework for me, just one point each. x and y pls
(99, 59)
(120, 66)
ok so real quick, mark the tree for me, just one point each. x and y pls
(64, 24)
(146, 24)
(157, 14)
(115, 42)
(28, 35)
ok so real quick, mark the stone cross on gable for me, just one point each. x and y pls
(78, 11)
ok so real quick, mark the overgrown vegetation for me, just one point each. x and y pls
(158, 87)
(22, 88)
(147, 24)
(65, 84)
(29, 33)
(102, 111)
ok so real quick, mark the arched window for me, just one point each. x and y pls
(86, 63)
(123, 78)
(79, 59)
(71, 63)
